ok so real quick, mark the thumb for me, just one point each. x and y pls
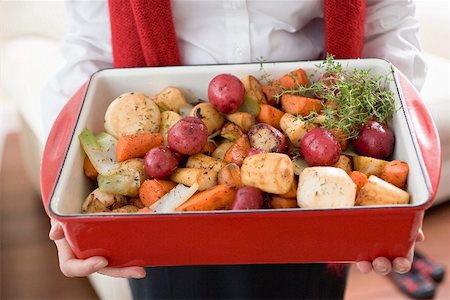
(56, 230)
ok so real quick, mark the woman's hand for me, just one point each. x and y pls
(384, 266)
(73, 267)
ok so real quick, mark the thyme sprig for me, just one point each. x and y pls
(350, 97)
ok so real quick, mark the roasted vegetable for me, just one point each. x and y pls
(325, 187)
(270, 172)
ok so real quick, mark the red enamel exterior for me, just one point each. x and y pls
(292, 236)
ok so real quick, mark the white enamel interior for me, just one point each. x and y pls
(105, 85)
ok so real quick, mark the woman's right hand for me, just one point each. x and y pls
(72, 267)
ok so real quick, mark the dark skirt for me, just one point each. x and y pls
(285, 281)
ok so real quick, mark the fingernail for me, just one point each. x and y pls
(52, 232)
(100, 264)
(139, 275)
(381, 268)
(401, 268)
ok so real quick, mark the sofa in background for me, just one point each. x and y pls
(29, 56)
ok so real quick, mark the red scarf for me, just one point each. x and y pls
(143, 33)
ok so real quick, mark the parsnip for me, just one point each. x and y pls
(325, 187)
(253, 89)
(294, 128)
(202, 161)
(189, 176)
(369, 165)
(379, 192)
(270, 172)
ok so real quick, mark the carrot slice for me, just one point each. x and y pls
(271, 90)
(300, 105)
(359, 179)
(293, 79)
(218, 197)
(152, 189)
(396, 172)
(270, 115)
(281, 202)
(89, 169)
(292, 193)
(137, 145)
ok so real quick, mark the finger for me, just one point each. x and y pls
(364, 266)
(72, 267)
(56, 230)
(128, 272)
(401, 265)
(420, 236)
(382, 265)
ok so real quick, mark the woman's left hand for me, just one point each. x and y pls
(384, 266)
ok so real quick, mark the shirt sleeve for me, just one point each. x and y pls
(392, 33)
(86, 49)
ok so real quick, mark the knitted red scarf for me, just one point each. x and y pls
(143, 33)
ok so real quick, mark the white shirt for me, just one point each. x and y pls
(211, 32)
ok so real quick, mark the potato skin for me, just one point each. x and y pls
(248, 197)
(170, 99)
(209, 115)
(319, 147)
(188, 136)
(270, 172)
(226, 92)
(132, 113)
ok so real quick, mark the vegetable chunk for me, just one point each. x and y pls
(325, 187)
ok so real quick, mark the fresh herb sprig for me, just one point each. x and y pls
(350, 98)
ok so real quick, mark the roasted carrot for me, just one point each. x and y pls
(359, 179)
(89, 169)
(230, 174)
(396, 173)
(270, 115)
(299, 105)
(271, 90)
(293, 79)
(209, 148)
(238, 151)
(292, 193)
(137, 145)
(218, 197)
(152, 189)
(281, 202)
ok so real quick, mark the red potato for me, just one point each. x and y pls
(188, 136)
(319, 147)
(226, 92)
(267, 138)
(374, 140)
(160, 162)
(248, 197)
